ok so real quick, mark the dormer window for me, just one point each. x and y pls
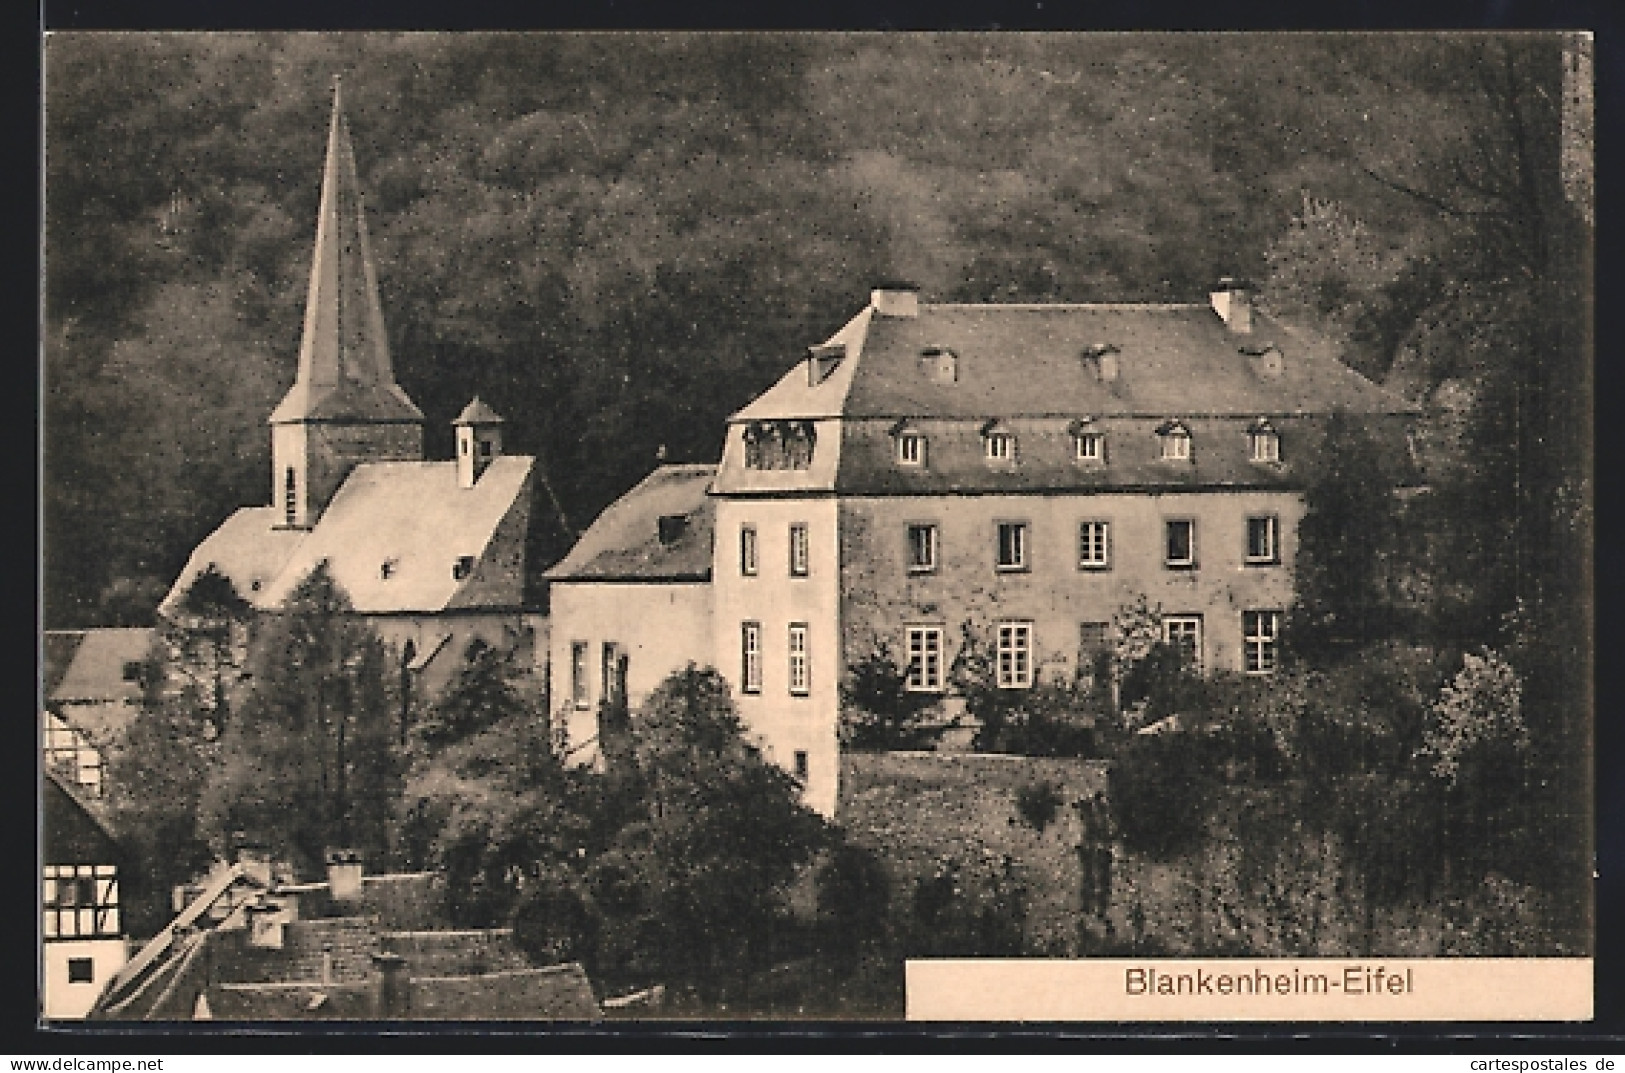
(670, 528)
(822, 361)
(1176, 441)
(998, 443)
(940, 364)
(1263, 442)
(1088, 442)
(910, 444)
(463, 567)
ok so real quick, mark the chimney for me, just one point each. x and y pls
(265, 925)
(1233, 301)
(344, 875)
(896, 299)
(391, 988)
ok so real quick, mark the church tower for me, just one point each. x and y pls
(344, 407)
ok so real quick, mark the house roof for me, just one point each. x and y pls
(1028, 360)
(75, 833)
(411, 515)
(624, 544)
(95, 671)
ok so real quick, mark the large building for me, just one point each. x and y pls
(432, 553)
(1026, 469)
(81, 928)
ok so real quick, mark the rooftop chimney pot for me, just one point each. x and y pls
(344, 873)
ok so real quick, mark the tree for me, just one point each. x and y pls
(308, 762)
(1345, 538)
(206, 637)
(155, 780)
(694, 888)
(482, 694)
(881, 711)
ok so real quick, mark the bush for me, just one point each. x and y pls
(1160, 793)
(854, 892)
(1038, 805)
(881, 712)
(554, 920)
(962, 911)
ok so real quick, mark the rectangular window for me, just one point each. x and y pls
(1090, 446)
(911, 449)
(798, 550)
(1012, 546)
(579, 690)
(750, 669)
(1176, 445)
(922, 549)
(1000, 446)
(1184, 632)
(81, 971)
(1262, 546)
(924, 659)
(801, 765)
(1265, 446)
(798, 659)
(747, 550)
(1259, 630)
(1015, 655)
(1180, 546)
(1094, 543)
(610, 680)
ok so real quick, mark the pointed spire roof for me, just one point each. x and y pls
(477, 413)
(344, 367)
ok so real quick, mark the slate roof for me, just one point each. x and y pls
(623, 544)
(1016, 360)
(95, 672)
(410, 514)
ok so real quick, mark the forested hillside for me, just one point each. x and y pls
(617, 240)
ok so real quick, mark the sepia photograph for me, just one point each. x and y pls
(580, 528)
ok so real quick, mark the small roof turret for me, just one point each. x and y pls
(477, 413)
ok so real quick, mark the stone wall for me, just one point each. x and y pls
(916, 810)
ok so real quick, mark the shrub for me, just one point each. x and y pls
(1160, 793)
(1038, 805)
(1050, 719)
(881, 712)
(1476, 726)
(854, 893)
(970, 911)
(554, 920)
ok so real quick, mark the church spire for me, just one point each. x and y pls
(344, 408)
(344, 367)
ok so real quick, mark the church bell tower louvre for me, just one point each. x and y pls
(345, 407)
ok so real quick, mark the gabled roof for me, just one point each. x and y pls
(1026, 360)
(413, 515)
(95, 672)
(623, 544)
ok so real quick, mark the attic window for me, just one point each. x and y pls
(387, 568)
(998, 442)
(822, 361)
(911, 444)
(779, 444)
(463, 567)
(1088, 441)
(1263, 442)
(940, 364)
(671, 528)
(132, 670)
(1176, 441)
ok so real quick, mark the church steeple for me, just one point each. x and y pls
(345, 406)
